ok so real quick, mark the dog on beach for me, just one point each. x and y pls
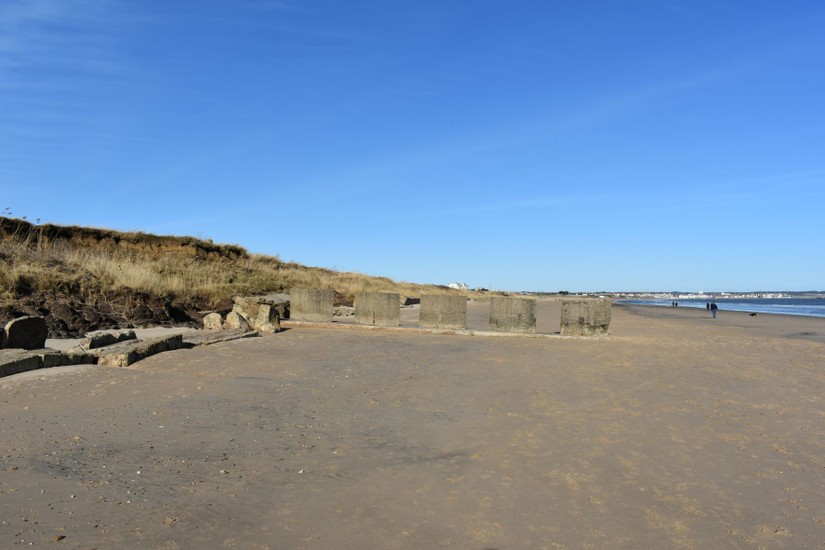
(752, 314)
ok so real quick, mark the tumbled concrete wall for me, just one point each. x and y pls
(585, 317)
(382, 309)
(513, 315)
(448, 312)
(311, 304)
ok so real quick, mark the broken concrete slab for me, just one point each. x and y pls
(215, 337)
(101, 338)
(15, 361)
(126, 353)
(54, 358)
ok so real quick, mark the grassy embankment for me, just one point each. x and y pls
(88, 263)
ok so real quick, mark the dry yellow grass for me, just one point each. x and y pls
(86, 261)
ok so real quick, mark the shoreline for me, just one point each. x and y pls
(764, 324)
(760, 307)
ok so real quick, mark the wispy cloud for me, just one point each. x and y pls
(520, 204)
(51, 52)
(55, 35)
(794, 186)
(273, 5)
(510, 134)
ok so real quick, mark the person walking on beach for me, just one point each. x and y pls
(713, 308)
(707, 306)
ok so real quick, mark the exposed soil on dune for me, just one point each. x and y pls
(69, 315)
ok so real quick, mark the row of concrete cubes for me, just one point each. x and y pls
(578, 317)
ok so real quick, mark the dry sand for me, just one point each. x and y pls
(677, 432)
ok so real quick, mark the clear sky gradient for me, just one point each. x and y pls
(524, 145)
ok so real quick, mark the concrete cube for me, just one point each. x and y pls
(311, 304)
(447, 312)
(381, 309)
(585, 317)
(513, 315)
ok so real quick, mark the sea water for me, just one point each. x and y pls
(811, 307)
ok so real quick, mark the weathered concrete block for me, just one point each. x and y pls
(381, 309)
(585, 317)
(126, 353)
(212, 321)
(236, 321)
(513, 315)
(15, 361)
(26, 333)
(100, 339)
(447, 312)
(311, 304)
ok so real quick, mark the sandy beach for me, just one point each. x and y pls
(678, 431)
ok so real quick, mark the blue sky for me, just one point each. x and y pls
(525, 145)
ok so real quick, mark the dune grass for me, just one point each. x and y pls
(85, 261)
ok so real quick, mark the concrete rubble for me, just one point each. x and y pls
(252, 313)
(104, 348)
(124, 354)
